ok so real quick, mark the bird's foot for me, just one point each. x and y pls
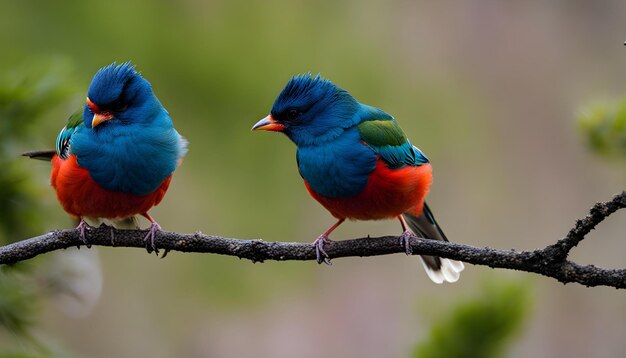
(320, 253)
(82, 228)
(154, 228)
(405, 241)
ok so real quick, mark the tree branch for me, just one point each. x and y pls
(550, 261)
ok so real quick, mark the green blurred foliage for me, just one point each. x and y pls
(28, 92)
(482, 327)
(17, 302)
(604, 127)
(20, 296)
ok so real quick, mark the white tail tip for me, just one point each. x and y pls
(450, 271)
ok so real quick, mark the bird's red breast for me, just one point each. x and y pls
(388, 193)
(80, 195)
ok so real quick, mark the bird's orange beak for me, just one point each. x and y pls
(268, 124)
(99, 118)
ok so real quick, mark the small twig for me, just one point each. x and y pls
(550, 261)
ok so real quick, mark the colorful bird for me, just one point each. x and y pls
(115, 158)
(357, 162)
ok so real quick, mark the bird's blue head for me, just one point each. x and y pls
(311, 110)
(119, 95)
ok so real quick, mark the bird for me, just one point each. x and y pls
(115, 157)
(358, 163)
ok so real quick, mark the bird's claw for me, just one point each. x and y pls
(405, 241)
(82, 228)
(154, 228)
(320, 253)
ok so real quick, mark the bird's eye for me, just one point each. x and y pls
(292, 114)
(120, 108)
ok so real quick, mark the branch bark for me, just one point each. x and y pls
(550, 261)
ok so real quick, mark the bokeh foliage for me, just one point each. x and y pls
(603, 125)
(482, 326)
(27, 95)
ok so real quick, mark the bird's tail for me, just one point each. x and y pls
(40, 154)
(439, 270)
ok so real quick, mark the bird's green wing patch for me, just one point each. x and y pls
(63, 140)
(388, 140)
(382, 132)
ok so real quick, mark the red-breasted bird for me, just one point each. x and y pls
(357, 162)
(115, 158)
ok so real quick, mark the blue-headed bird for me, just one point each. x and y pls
(115, 158)
(357, 162)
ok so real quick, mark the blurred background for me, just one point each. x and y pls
(516, 104)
